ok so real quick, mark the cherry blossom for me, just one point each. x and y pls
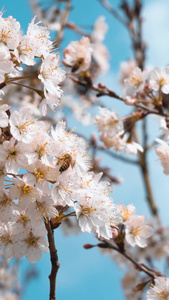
(135, 82)
(9, 32)
(137, 231)
(159, 79)
(31, 243)
(51, 75)
(160, 290)
(3, 115)
(100, 29)
(78, 55)
(23, 126)
(11, 153)
(163, 152)
(45, 169)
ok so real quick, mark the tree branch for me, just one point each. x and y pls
(63, 23)
(54, 261)
(117, 156)
(140, 267)
(108, 92)
(145, 173)
(153, 274)
(111, 9)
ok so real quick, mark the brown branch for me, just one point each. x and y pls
(108, 92)
(92, 143)
(117, 156)
(145, 173)
(139, 48)
(143, 156)
(111, 9)
(140, 267)
(2, 85)
(54, 261)
(63, 23)
(153, 274)
(72, 26)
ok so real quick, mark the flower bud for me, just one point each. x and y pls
(115, 233)
(101, 85)
(88, 246)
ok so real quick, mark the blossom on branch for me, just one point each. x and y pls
(163, 152)
(112, 130)
(159, 79)
(137, 231)
(160, 290)
(51, 75)
(135, 82)
(78, 55)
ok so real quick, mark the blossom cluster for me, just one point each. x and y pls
(136, 229)
(42, 170)
(45, 172)
(148, 87)
(113, 132)
(18, 50)
(89, 52)
(141, 84)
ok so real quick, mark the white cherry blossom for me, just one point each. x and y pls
(24, 52)
(109, 122)
(40, 36)
(100, 29)
(127, 212)
(51, 74)
(23, 126)
(7, 239)
(22, 191)
(11, 153)
(159, 79)
(78, 55)
(160, 290)
(163, 152)
(40, 174)
(7, 211)
(9, 32)
(6, 67)
(126, 68)
(51, 100)
(101, 57)
(31, 243)
(136, 81)
(43, 208)
(4, 119)
(3, 173)
(137, 231)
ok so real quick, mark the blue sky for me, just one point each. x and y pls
(88, 274)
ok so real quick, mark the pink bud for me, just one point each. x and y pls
(115, 233)
(101, 85)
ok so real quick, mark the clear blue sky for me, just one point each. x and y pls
(90, 275)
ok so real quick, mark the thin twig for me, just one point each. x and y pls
(111, 9)
(72, 26)
(54, 261)
(140, 267)
(117, 156)
(63, 23)
(108, 92)
(145, 173)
